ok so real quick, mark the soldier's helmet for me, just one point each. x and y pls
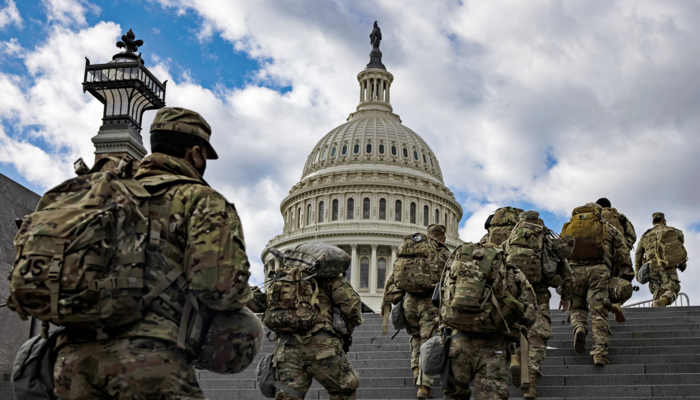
(177, 119)
(231, 343)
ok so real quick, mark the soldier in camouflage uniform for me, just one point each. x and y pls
(541, 331)
(481, 357)
(201, 231)
(320, 353)
(591, 280)
(664, 283)
(419, 310)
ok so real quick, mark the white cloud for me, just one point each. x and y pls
(9, 15)
(68, 12)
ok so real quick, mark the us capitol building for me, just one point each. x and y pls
(366, 184)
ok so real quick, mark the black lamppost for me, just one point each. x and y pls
(126, 88)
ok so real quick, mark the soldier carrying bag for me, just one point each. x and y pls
(414, 270)
(32, 370)
(588, 229)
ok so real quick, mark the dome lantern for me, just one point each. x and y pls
(375, 80)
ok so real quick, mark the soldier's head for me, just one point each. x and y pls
(658, 218)
(437, 232)
(603, 202)
(182, 133)
(530, 216)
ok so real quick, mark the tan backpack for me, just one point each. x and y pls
(589, 230)
(611, 216)
(415, 269)
(668, 247)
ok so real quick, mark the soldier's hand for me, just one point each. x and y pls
(564, 305)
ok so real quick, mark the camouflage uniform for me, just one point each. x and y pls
(664, 281)
(591, 280)
(420, 315)
(318, 354)
(481, 357)
(258, 304)
(203, 231)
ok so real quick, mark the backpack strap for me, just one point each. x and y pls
(53, 282)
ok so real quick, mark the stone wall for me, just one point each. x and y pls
(16, 201)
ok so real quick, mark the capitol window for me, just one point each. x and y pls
(345, 150)
(424, 160)
(405, 152)
(320, 211)
(393, 150)
(356, 149)
(351, 207)
(381, 149)
(364, 273)
(397, 211)
(382, 208)
(317, 155)
(412, 218)
(333, 152)
(426, 214)
(335, 210)
(415, 155)
(431, 161)
(381, 272)
(323, 156)
(369, 148)
(365, 208)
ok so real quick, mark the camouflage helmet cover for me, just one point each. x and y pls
(177, 119)
(437, 228)
(658, 215)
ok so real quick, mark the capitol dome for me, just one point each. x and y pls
(365, 185)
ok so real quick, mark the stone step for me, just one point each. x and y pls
(660, 320)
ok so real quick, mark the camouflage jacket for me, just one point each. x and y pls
(518, 287)
(337, 292)
(203, 230)
(646, 249)
(628, 228)
(617, 255)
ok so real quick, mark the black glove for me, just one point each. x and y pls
(347, 342)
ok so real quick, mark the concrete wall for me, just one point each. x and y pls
(16, 201)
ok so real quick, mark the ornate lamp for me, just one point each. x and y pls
(126, 88)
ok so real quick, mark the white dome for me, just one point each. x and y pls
(373, 137)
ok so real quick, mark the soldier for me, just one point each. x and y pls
(541, 331)
(201, 232)
(320, 353)
(618, 281)
(599, 250)
(664, 283)
(499, 224)
(478, 350)
(419, 310)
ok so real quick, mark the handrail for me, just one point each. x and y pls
(649, 303)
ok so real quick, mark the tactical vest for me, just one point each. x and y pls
(416, 269)
(589, 231)
(611, 216)
(525, 249)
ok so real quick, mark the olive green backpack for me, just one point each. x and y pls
(415, 270)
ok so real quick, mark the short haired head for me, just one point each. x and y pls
(603, 202)
(658, 218)
(437, 232)
(175, 129)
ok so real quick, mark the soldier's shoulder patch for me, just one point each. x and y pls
(417, 238)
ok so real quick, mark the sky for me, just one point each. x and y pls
(544, 105)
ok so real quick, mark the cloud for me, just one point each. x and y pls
(66, 12)
(9, 15)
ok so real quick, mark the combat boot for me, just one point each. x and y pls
(600, 361)
(532, 392)
(515, 369)
(619, 315)
(580, 340)
(424, 393)
(662, 302)
(416, 373)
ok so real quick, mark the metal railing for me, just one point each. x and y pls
(650, 303)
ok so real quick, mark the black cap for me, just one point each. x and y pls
(603, 202)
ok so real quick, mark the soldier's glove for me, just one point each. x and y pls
(347, 342)
(681, 267)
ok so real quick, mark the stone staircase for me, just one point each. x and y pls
(655, 354)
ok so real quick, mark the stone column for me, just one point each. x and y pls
(354, 269)
(388, 92)
(277, 264)
(393, 259)
(373, 270)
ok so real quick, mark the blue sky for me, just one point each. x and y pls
(542, 105)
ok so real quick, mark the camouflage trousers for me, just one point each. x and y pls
(420, 314)
(591, 289)
(323, 359)
(664, 283)
(478, 357)
(128, 368)
(539, 334)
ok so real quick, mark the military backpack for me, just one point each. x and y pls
(415, 269)
(525, 249)
(501, 223)
(588, 229)
(667, 247)
(611, 216)
(292, 301)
